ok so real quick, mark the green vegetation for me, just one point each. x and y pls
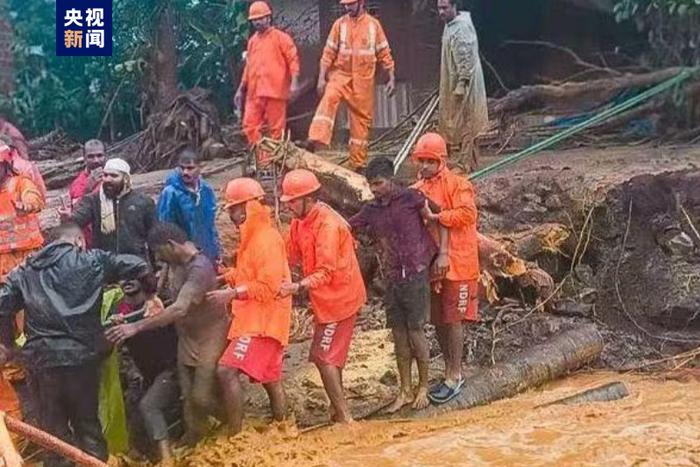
(672, 27)
(75, 93)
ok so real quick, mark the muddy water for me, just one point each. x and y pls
(658, 424)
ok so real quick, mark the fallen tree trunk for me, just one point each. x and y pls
(343, 188)
(550, 95)
(606, 393)
(58, 174)
(553, 359)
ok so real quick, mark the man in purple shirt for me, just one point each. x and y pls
(396, 219)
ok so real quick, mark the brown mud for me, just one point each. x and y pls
(658, 424)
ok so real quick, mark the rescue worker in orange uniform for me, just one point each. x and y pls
(259, 332)
(20, 156)
(20, 201)
(270, 76)
(321, 241)
(454, 297)
(354, 46)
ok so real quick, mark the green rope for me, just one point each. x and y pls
(594, 120)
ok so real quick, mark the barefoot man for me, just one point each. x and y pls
(395, 219)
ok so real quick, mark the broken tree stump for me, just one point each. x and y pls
(540, 364)
(606, 393)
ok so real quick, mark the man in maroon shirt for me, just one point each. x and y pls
(396, 218)
(88, 180)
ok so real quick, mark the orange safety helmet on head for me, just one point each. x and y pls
(258, 10)
(431, 146)
(348, 2)
(241, 190)
(298, 183)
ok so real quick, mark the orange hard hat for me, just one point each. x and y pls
(430, 146)
(348, 2)
(298, 183)
(241, 190)
(258, 10)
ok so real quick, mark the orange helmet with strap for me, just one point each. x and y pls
(242, 190)
(431, 146)
(297, 184)
(258, 10)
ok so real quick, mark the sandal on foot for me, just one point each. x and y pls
(446, 393)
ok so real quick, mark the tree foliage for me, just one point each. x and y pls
(75, 93)
(672, 27)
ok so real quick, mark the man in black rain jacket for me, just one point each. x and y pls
(60, 289)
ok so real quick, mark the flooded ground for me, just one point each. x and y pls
(658, 424)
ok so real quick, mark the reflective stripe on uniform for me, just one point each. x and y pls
(372, 37)
(323, 118)
(359, 142)
(371, 42)
(344, 39)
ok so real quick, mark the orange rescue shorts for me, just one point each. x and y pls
(260, 358)
(457, 301)
(331, 342)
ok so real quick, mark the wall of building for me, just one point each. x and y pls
(6, 60)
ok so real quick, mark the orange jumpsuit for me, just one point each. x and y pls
(261, 268)
(272, 61)
(323, 244)
(351, 53)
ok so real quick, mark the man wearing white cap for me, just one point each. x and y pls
(121, 218)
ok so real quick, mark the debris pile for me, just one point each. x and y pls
(190, 120)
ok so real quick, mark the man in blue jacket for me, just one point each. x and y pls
(190, 203)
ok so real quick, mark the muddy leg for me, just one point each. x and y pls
(166, 454)
(453, 359)
(402, 348)
(442, 337)
(278, 400)
(332, 378)
(232, 391)
(421, 352)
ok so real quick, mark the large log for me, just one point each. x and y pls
(546, 95)
(346, 190)
(606, 393)
(553, 359)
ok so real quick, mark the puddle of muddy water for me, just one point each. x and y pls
(658, 424)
